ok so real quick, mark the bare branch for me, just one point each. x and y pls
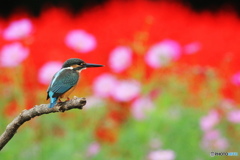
(38, 110)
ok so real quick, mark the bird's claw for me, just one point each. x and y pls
(68, 99)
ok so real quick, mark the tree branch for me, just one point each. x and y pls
(38, 110)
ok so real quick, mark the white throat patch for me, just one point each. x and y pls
(81, 70)
(69, 68)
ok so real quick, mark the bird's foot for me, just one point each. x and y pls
(60, 101)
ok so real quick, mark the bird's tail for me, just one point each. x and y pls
(53, 102)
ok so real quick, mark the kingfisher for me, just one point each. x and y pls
(66, 79)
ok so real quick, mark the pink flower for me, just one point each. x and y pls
(80, 41)
(126, 90)
(236, 79)
(209, 121)
(103, 85)
(211, 134)
(221, 144)
(120, 59)
(234, 116)
(94, 101)
(47, 71)
(163, 53)
(140, 107)
(155, 143)
(18, 30)
(13, 54)
(93, 149)
(227, 104)
(213, 140)
(192, 48)
(161, 155)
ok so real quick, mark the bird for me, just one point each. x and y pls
(65, 80)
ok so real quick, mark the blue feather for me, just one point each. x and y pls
(53, 100)
(56, 76)
(62, 81)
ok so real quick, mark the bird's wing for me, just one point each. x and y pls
(62, 81)
(51, 84)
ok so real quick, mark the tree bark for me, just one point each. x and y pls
(38, 110)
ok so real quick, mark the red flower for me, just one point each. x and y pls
(11, 109)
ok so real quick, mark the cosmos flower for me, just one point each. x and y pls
(120, 59)
(163, 53)
(93, 149)
(47, 71)
(140, 107)
(192, 48)
(236, 79)
(227, 104)
(80, 41)
(234, 116)
(18, 29)
(212, 140)
(104, 84)
(155, 143)
(13, 54)
(126, 90)
(94, 101)
(209, 121)
(161, 155)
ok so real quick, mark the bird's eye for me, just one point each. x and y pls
(81, 64)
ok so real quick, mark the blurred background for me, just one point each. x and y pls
(169, 89)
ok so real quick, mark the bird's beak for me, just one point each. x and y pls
(89, 65)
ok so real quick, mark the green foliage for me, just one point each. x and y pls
(173, 123)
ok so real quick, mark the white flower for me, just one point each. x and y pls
(120, 59)
(47, 71)
(192, 48)
(104, 85)
(13, 54)
(126, 90)
(141, 106)
(94, 101)
(161, 155)
(80, 41)
(18, 30)
(163, 53)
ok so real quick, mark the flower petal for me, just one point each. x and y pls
(80, 41)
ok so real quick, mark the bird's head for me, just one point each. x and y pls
(78, 64)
